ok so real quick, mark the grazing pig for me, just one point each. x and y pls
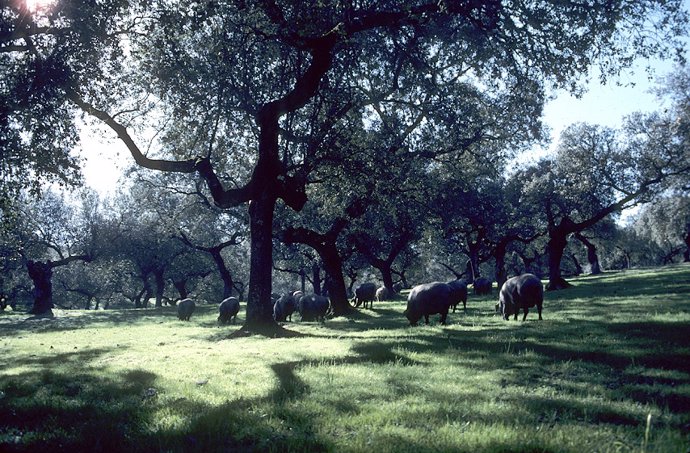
(185, 308)
(428, 299)
(482, 286)
(313, 307)
(524, 291)
(458, 294)
(228, 309)
(382, 294)
(284, 307)
(366, 292)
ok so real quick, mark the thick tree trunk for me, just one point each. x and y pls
(556, 247)
(259, 306)
(686, 254)
(387, 276)
(41, 274)
(337, 292)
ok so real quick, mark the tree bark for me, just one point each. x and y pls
(576, 263)
(259, 306)
(41, 274)
(556, 246)
(500, 263)
(225, 274)
(215, 252)
(181, 287)
(592, 256)
(325, 246)
(385, 266)
(337, 293)
(160, 287)
(316, 278)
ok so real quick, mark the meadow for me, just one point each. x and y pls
(607, 370)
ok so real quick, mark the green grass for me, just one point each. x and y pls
(610, 352)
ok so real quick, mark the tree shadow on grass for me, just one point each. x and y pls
(85, 411)
(53, 412)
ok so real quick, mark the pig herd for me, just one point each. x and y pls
(517, 293)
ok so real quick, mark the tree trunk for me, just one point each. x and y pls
(316, 278)
(160, 288)
(473, 262)
(500, 263)
(259, 306)
(225, 274)
(147, 293)
(337, 292)
(327, 249)
(528, 262)
(387, 276)
(576, 263)
(137, 298)
(556, 247)
(181, 287)
(41, 274)
(592, 256)
(593, 259)
(686, 254)
(403, 281)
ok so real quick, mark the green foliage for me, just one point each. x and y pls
(42, 52)
(666, 224)
(610, 352)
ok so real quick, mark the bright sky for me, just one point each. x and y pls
(105, 158)
(608, 104)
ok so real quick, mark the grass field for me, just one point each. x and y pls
(608, 369)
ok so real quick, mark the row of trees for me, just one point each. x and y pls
(93, 253)
(325, 118)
